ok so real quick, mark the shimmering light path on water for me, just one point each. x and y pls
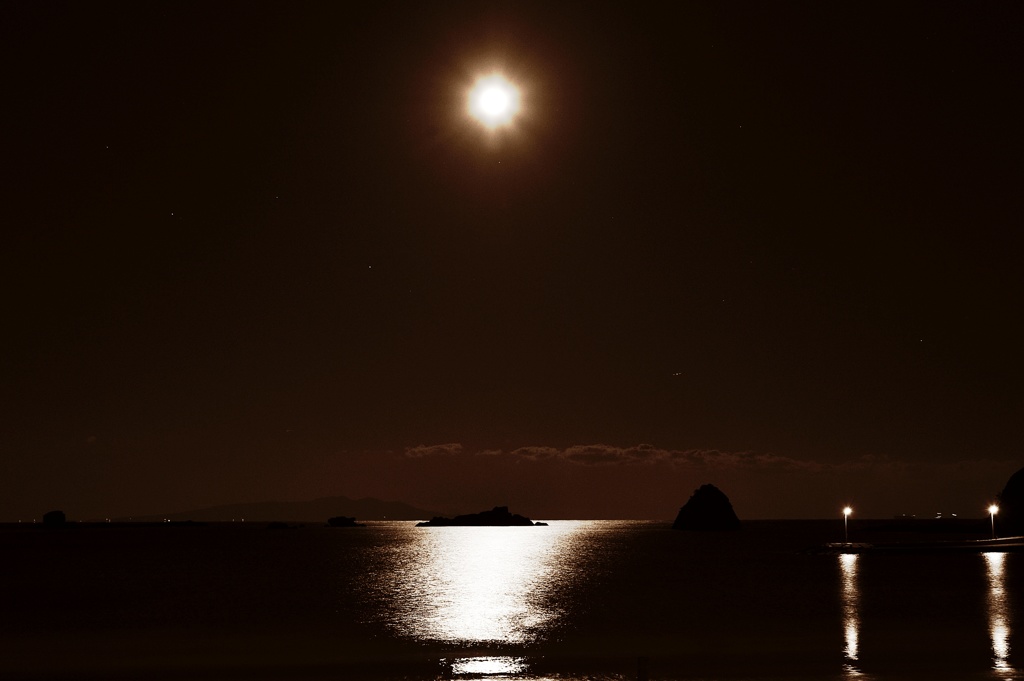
(480, 584)
(508, 602)
(575, 601)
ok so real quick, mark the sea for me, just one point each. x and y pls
(573, 601)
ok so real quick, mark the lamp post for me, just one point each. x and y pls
(992, 510)
(846, 523)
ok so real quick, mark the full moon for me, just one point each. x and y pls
(494, 101)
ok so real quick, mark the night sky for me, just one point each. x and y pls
(260, 251)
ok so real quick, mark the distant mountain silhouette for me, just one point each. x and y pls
(309, 511)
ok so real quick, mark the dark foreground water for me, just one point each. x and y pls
(575, 600)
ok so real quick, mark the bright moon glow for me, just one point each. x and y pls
(494, 101)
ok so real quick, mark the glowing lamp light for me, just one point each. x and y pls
(846, 523)
(494, 101)
(992, 510)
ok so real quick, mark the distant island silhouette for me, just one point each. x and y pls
(707, 509)
(499, 516)
(344, 521)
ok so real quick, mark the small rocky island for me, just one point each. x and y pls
(707, 509)
(343, 521)
(499, 516)
(54, 519)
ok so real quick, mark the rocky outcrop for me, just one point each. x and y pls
(343, 521)
(499, 516)
(54, 518)
(707, 509)
(1010, 520)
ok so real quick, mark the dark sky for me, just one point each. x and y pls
(259, 251)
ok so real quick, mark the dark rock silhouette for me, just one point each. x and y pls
(344, 521)
(499, 516)
(707, 509)
(1010, 519)
(54, 518)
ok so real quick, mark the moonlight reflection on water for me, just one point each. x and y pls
(527, 602)
(480, 584)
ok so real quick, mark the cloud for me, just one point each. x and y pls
(535, 453)
(645, 454)
(598, 455)
(593, 455)
(887, 466)
(714, 458)
(641, 454)
(420, 451)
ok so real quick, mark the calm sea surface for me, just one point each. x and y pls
(575, 600)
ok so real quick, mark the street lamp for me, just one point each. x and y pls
(992, 510)
(846, 523)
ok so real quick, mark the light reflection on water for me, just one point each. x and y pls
(998, 614)
(999, 620)
(480, 584)
(485, 667)
(850, 594)
(494, 595)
